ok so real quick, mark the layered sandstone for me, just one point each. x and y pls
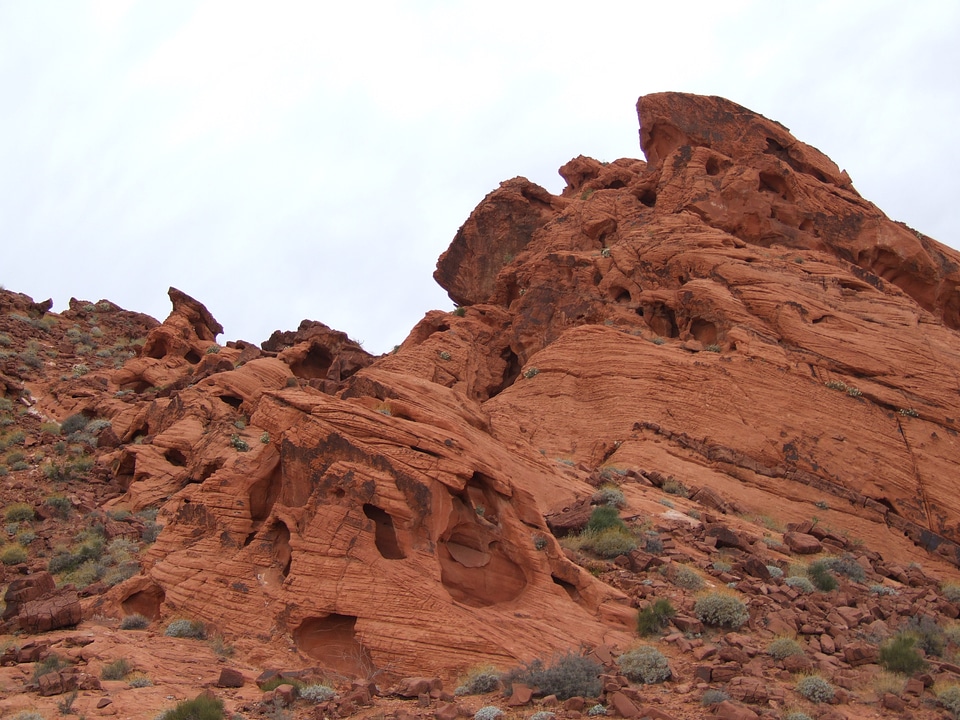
(729, 313)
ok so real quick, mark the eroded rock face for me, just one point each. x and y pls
(729, 313)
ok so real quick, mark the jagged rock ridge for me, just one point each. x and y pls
(729, 313)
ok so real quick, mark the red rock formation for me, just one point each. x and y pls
(730, 314)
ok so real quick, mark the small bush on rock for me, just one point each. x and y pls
(568, 676)
(18, 512)
(951, 591)
(713, 697)
(821, 577)
(930, 636)
(784, 647)
(797, 716)
(74, 423)
(317, 693)
(596, 710)
(949, 698)
(815, 689)
(117, 670)
(721, 609)
(687, 579)
(654, 617)
(13, 555)
(604, 517)
(134, 622)
(609, 495)
(900, 654)
(186, 629)
(800, 583)
(848, 567)
(479, 681)
(644, 664)
(202, 707)
(610, 543)
(488, 712)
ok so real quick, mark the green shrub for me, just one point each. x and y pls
(654, 617)
(821, 577)
(184, 628)
(202, 707)
(610, 543)
(479, 681)
(139, 680)
(570, 675)
(949, 698)
(134, 622)
(18, 512)
(815, 689)
(900, 654)
(488, 712)
(713, 697)
(238, 443)
(721, 609)
(117, 670)
(930, 636)
(645, 664)
(13, 555)
(784, 647)
(51, 663)
(603, 518)
(74, 423)
(60, 505)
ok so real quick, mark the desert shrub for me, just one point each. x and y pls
(609, 495)
(815, 689)
(278, 680)
(951, 591)
(654, 617)
(949, 698)
(117, 670)
(18, 512)
(596, 710)
(13, 555)
(774, 571)
(51, 663)
(653, 544)
(25, 537)
(609, 543)
(488, 712)
(139, 680)
(183, 628)
(543, 715)
(797, 716)
(883, 590)
(887, 682)
(603, 518)
(713, 697)
(783, 647)
(74, 423)
(821, 577)
(568, 676)
(644, 664)
(479, 681)
(848, 567)
(675, 487)
(687, 579)
(59, 504)
(134, 622)
(27, 715)
(721, 609)
(800, 583)
(900, 654)
(930, 636)
(721, 566)
(202, 707)
(317, 693)
(238, 443)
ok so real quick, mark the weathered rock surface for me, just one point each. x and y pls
(728, 319)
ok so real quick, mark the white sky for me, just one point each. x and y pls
(289, 160)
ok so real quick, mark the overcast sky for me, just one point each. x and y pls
(289, 160)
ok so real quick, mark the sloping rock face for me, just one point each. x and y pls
(730, 313)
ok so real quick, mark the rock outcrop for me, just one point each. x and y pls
(728, 316)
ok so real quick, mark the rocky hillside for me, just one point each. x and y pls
(688, 439)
